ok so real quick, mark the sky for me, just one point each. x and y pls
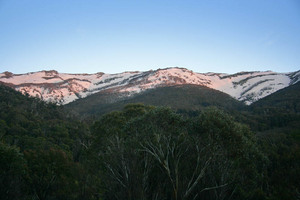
(113, 36)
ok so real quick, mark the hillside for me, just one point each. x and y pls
(287, 99)
(183, 98)
(280, 109)
(29, 123)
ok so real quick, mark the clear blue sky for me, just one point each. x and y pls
(114, 36)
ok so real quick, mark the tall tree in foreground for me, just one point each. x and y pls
(154, 153)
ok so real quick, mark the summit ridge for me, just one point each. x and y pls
(63, 88)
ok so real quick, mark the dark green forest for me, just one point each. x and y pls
(208, 150)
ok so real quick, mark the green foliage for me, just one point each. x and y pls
(159, 154)
(50, 174)
(147, 152)
(12, 172)
(284, 168)
(237, 145)
(48, 143)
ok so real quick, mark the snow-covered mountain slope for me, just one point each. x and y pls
(63, 88)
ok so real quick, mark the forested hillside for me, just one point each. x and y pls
(40, 149)
(281, 109)
(182, 98)
(145, 152)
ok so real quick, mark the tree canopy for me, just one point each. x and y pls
(142, 152)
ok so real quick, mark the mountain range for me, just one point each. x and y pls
(254, 116)
(63, 88)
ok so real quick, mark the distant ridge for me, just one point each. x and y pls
(63, 88)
